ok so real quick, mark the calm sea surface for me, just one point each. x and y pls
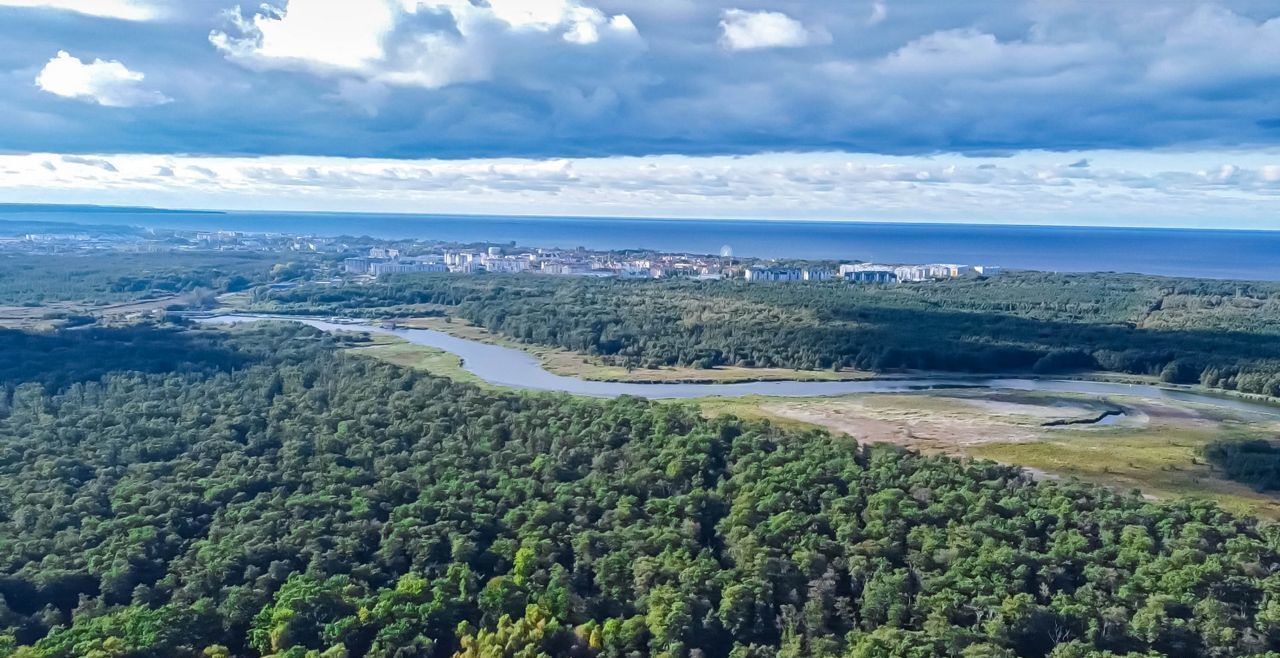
(1173, 252)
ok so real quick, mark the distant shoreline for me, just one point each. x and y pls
(1243, 255)
(410, 216)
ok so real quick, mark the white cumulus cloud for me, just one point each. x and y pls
(539, 14)
(395, 41)
(130, 10)
(107, 83)
(750, 30)
(580, 24)
(343, 34)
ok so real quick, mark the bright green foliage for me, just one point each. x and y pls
(297, 502)
(535, 635)
(129, 632)
(304, 613)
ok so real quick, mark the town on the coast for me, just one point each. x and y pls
(371, 258)
(380, 261)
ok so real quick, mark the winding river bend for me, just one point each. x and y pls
(513, 368)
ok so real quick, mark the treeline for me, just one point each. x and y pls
(307, 504)
(58, 359)
(389, 297)
(1255, 462)
(1221, 334)
(118, 277)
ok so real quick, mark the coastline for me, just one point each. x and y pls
(1245, 254)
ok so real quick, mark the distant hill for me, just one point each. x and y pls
(9, 208)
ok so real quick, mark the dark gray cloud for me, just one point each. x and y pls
(895, 77)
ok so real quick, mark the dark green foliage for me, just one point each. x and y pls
(310, 504)
(60, 358)
(117, 277)
(1065, 361)
(1222, 334)
(1253, 461)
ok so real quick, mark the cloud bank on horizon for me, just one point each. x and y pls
(601, 79)
(1106, 188)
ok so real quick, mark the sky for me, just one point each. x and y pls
(1133, 113)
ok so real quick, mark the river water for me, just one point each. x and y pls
(513, 368)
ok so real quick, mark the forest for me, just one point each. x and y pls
(56, 360)
(1253, 461)
(103, 278)
(1221, 334)
(272, 494)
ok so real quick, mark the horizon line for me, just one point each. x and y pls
(110, 208)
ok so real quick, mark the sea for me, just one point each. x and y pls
(1220, 254)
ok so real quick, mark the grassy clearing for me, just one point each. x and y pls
(932, 422)
(573, 364)
(751, 407)
(234, 302)
(46, 317)
(437, 362)
(1161, 462)
(1156, 450)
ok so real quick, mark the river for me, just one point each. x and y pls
(513, 368)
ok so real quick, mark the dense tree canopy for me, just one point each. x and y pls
(1252, 461)
(61, 358)
(102, 278)
(1219, 333)
(290, 500)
